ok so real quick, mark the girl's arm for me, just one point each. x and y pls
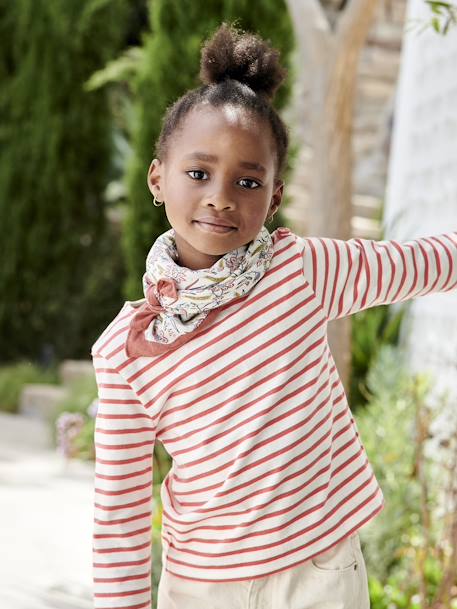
(349, 276)
(124, 441)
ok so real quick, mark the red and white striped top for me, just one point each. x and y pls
(268, 466)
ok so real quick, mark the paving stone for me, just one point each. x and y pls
(71, 371)
(40, 400)
(46, 525)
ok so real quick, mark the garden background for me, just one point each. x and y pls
(84, 86)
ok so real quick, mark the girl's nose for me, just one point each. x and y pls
(221, 198)
(219, 203)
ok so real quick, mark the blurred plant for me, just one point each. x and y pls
(156, 544)
(444, 16)
(399, 592)
(161, 465)
(411, 545)
(386, 426)
(84, 441)
(99, 302)
(74, 423)
(435, 468)
(68, 425)
(13, 377)
(52, 180)
(120, 70)
(371, 330)
(119, 74)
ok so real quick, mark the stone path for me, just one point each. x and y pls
(46, 509)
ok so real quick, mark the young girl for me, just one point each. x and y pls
(226, 362)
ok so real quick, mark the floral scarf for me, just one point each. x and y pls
(179, 302)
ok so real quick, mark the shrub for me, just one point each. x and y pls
(408, 548)
(13, 377)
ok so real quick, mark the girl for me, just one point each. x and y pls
(226, 362)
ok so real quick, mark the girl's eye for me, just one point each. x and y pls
(242, 179)
(195, 171)
(252, 181)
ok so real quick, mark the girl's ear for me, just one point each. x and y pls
(154, 179)
(276, 197)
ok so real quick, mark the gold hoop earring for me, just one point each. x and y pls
(158, 203)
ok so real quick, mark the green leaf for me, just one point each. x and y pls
(436, 24)
(436, 9)
(437, 4)
(117, 70)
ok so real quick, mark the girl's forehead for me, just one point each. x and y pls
(223, 118)
(206, 126)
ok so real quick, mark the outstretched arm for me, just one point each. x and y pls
(124, 441)
(349, 276)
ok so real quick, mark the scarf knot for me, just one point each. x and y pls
(167, 288)
(151, 306)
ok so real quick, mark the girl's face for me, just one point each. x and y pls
(220, 165)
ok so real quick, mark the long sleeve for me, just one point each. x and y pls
(124, 441)
(349, 276)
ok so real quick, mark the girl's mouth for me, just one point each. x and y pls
(214, 228)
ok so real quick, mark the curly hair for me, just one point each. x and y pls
(236, 68)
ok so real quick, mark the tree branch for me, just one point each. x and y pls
(310, 24)
(355, 23)
(309, 13)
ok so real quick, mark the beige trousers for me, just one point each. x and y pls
(335, 579)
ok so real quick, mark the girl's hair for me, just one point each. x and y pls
(238, 69)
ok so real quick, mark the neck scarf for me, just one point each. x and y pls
(179, 302)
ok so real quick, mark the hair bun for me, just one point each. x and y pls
(246, 57)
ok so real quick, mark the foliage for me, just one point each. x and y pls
(122, 68)
(13, 377)
(156, 542)
(161, 465)
(84, 442)
(444, 15)
(58, 137)
(385, 426)
(81, 395)
(371, 329)
(407, 547)
(99, 302)
(400, 592)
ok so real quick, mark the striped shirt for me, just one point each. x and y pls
(268, 468)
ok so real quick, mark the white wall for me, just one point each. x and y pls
(421, 194)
